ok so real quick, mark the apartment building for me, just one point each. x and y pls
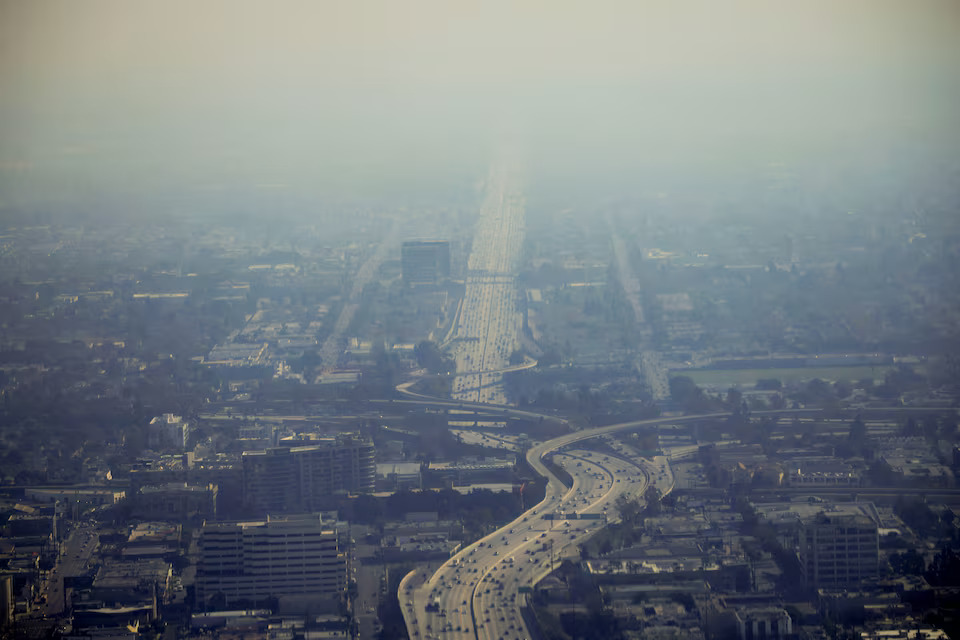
(299, 478)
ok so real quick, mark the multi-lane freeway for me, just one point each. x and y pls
(484, 580)
(478, 593)
(488, 323)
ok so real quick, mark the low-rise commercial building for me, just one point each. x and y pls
(176, 501)
(397, 476)
(472, 471)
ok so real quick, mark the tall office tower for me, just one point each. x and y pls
(299, 478)
(425, 262)
(296, 559)
(839, 550)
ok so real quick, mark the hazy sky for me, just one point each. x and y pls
(124, 99)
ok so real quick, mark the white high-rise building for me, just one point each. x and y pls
(294, 558)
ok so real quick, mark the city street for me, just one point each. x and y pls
(76, 552)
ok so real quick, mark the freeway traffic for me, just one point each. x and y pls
(488, 322)
(462, 596)
(478, 592)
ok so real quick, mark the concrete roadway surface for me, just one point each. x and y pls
(476, 594)
(597, 483)
(370, 577)
(76, 554)
(459, 590)
(488, 323)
